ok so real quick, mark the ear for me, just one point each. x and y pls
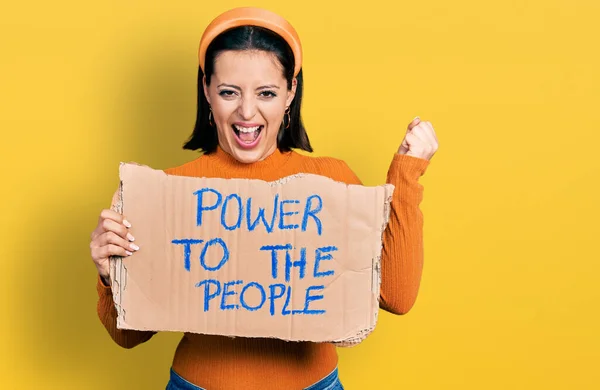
(292, 92)
(205, 88)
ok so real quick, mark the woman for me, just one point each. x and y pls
(248, 123)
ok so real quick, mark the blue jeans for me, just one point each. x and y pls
(330, 382)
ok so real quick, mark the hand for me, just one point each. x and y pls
(110, 238)
(420, 140)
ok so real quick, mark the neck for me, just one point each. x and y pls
(271, 162)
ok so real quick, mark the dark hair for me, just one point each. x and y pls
(204, 136)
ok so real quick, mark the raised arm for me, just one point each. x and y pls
(402, 252)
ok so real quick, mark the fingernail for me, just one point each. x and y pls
(134, 247)
(128, 253)
(417, 117)
(130, 237)
(126, 223)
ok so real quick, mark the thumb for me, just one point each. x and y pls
(404, 147)
(413, 123)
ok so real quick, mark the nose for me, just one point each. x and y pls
(247, 108)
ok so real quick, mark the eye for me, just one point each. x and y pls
(269, 94)
(226, 93)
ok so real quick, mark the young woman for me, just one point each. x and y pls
(248, 125)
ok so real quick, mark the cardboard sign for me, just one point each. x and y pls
(296, 259)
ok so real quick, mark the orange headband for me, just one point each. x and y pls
(251, 16)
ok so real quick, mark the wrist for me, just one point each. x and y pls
(105, 280)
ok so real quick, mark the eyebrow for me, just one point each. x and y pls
(239, 89)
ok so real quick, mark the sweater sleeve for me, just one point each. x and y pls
(107, 312)
(402, 251)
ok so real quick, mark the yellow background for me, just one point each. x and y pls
(509, 298)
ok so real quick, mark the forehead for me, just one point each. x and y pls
(248, 66)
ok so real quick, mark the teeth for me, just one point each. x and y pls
(246, 129)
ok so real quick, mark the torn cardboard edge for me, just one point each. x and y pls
(119, 271)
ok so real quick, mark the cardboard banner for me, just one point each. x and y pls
(296, 259)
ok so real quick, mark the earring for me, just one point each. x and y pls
(210, 116)
(289, 120)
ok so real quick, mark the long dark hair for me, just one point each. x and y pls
(204, 136)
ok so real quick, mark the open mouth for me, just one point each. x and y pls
(247, 136)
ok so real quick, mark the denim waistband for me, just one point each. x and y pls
(176, 382)
(330, 382)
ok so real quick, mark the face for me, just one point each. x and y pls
(248, 95)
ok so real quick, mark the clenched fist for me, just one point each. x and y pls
(420, 140)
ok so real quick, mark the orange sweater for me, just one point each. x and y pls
(217, 362)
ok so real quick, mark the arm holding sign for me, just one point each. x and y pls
(107, 313)
(112, 238)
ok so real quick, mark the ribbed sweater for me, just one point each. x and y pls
(219, 362)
